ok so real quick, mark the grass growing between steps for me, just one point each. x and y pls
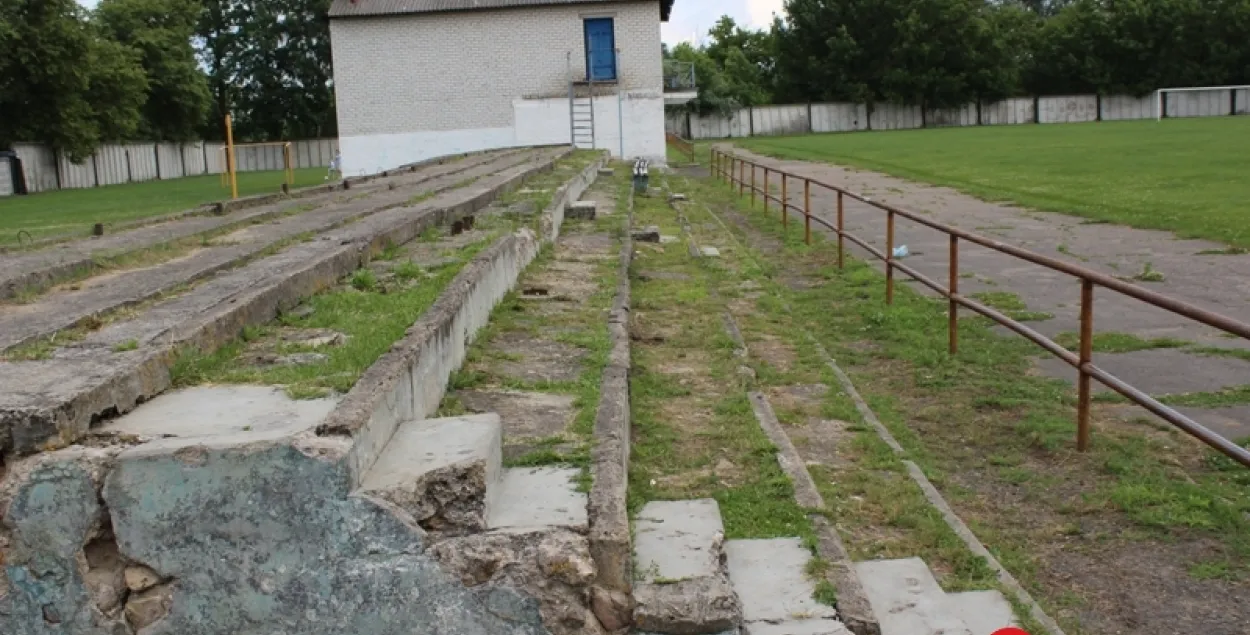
(1078, 529)
(582, 326)
(694, 433)
(540, 188)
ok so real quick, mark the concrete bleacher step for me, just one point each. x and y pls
(683, 585)
(770, 578)
(538, 497)
(908, 601)
(442, 471)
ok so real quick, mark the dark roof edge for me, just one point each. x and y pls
(666, 9)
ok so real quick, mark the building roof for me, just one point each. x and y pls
(351, 8)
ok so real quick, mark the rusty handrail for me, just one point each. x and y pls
(732, 168)
(684, 146)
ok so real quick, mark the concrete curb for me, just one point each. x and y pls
(935, 498)
(64, 269)
(853, 607)
(135, 376)
(610, 539)
(410, 380)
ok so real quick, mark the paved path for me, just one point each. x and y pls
(1219, 283)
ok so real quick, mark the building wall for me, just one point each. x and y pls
(414, 87)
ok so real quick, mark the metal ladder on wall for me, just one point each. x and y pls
(581, 112)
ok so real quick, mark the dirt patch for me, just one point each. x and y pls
(585, 247)
(525, 415)
(566, 280)
(774, 352)
(535, 359)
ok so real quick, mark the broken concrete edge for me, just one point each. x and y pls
(27, 430)
(607, 507)
(853, 606)
(40, 279)
(409, 381)
(48, 276)
(552, 218)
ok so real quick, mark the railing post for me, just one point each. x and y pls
(889, 257)
(807, 211)
(1086, 355)
(767, 191)
(841, 241)
(954, 290)
(742, 176)
(785, 216)
(753, 186)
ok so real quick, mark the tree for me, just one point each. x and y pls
(61, 82)
(160, 30)
(283, 71)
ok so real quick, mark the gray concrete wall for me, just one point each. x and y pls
(6, 179)
(845, 117)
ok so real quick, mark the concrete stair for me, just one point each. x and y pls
(908, 601)
(770, 576)
(683, 583)
(448, 474)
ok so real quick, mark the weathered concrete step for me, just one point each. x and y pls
(254, 413)
(42, 267)
(984, 612)
(66, 308)
(770, 578)
(907, 599)
(531, 498)
(98, 377)
(441, 471)
(680, 562)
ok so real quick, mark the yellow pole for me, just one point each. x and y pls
(234, 183)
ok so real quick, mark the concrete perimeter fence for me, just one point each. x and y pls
(44, 169)
(847, 117)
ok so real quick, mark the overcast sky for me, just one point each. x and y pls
(692, 18)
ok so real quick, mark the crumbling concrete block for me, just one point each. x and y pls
(554, 565)
(607, 172)
(581, 210)
(648, 234)
(441, 471)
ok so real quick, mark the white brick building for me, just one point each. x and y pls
(416, 79)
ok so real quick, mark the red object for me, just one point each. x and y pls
(1010, 630)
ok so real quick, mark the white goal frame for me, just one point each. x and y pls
(1190, 89)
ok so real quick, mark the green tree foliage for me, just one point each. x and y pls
(160, 30)
(62, 82)
(269, 65)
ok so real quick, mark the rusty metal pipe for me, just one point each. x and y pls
(953, 308)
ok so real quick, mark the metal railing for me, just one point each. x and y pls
(679, 76)
(681, 145)
(733, 168)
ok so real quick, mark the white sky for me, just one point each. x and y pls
(692, 18)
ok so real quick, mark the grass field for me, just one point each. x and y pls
(1184, 175)
(75, 211)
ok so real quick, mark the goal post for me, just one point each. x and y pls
(1203, 101)
(265, 156)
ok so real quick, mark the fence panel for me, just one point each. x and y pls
(1067, 109)
(839, 117)
(76, 175)
(779, 120)
(193, 158)
(1013, 111)
(965, 115)
(1242, 98)
(1201, 103)
(169, 160)
(142, 159)
(1123, 107)
(895, 117)
(38, 166)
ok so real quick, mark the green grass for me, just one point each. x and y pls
(1114, 342)
(997, 440)
(75, 211)
(1182, 175)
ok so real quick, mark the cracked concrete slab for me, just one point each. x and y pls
(203, 411)
(536, 359)
(525, 415)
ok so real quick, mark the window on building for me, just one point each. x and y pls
(600, 50)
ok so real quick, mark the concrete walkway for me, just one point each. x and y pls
(1214, 282)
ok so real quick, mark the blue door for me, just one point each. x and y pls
(600, 50)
